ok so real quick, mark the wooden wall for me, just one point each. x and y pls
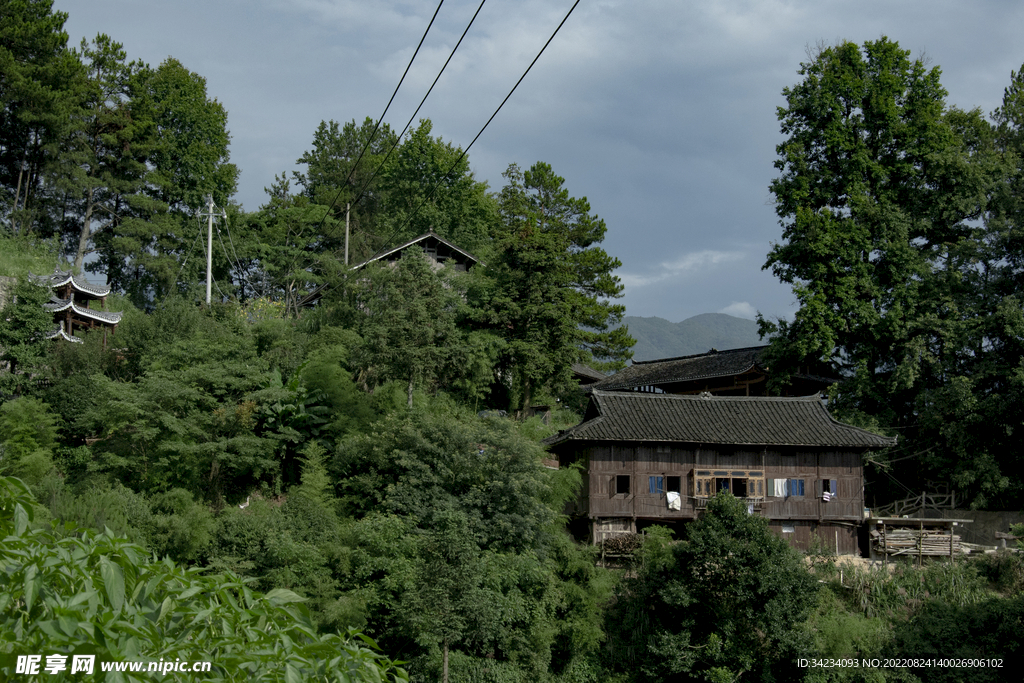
(801, 533)
(604, 462)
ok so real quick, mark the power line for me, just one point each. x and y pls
(398, 139)
(320, 289)
(466, 151)
(381, 119)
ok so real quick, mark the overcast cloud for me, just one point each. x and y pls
(661, 112)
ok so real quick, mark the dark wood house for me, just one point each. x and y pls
(438, 251)
(736, 372)
(658, 459)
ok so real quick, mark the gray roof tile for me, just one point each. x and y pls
(741, 421)
(683, 368)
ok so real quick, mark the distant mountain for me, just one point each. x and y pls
(659, 338)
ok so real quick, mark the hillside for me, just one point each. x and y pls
(659, 338)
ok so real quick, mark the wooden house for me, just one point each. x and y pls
(736, 372)
(438, 251)
(658, 458)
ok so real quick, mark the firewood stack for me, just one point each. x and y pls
(914, 542)
(622, 544)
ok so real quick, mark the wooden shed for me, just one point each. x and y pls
(659, 458)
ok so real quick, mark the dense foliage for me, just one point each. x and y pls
(326, 447)
(899, 219)
(97, 594)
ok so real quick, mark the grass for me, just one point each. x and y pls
(19, 256)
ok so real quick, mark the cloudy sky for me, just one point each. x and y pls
(661, 112)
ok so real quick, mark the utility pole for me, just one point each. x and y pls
(347, 207)
(209, 244)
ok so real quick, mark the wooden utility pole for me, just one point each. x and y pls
(347, 207)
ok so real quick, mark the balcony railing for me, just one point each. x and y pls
(756, 501)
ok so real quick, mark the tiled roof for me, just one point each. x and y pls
(59, 278)
(741, 421)
(57, 305)
(683, 369)
(587, 372)
(59, 332)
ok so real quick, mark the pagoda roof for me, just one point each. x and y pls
(56, 305)
(59, 332)
(59, 278)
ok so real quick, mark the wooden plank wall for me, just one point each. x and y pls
(639, 462)
(606, 461)
(804, 532)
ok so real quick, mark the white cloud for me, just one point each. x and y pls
(695, 263)
(740, 309)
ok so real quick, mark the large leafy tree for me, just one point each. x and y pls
(430, 187)
(879, 193)
(40, 96)
(146, 256)
(725, 604)
(551, 286)
(112, 143)
(333, 178)
(408, 316)
(24, 324)
(288, 248)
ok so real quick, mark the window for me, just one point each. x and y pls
(741, 483)
(674, 484)
(655, 484)
(622, 484)
(784, 488)
(828, 489)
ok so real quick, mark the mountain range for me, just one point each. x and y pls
(659, 338)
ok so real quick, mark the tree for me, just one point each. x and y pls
(332, 177)
(145, 256)
(112, 143)
(446, 597)
(408, 324)
(38, 98)
(291, 245)
(725, 605)
(428, 186)
(550, 286)
(24, 324)
(880, 189)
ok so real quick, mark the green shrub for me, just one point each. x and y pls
(28, 432)
(101, 595)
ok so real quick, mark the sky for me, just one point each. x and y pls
(662, 113)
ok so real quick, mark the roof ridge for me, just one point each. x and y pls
(712, 351)
(698, 397)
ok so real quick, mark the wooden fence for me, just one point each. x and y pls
(909, 506)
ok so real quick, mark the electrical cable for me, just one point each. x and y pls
(466, 151)
(198, 235)
(381, 118)
(318, 290)
(398, 139)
